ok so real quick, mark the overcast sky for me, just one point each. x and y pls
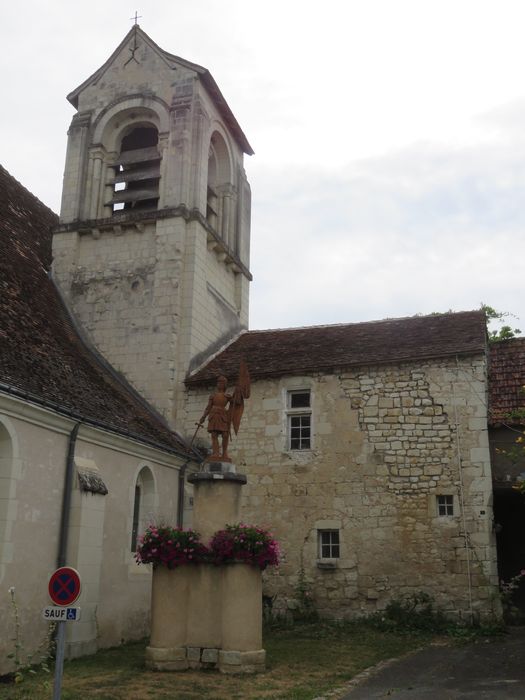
(389, 169)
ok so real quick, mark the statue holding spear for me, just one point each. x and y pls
(224, 411)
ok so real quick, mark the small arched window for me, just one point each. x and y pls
(137, 173)
(143, 505)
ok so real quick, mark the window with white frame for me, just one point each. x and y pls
(299, 418)
(445, 505)
(329, 546)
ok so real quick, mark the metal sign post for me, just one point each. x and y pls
(59, 660)
(64, 588)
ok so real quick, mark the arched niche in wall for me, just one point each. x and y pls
(7, 488)
(221, 197)
(143, 504)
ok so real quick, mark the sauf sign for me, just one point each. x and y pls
(64, 588)
(54, 614)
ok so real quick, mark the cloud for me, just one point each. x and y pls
(427, 228)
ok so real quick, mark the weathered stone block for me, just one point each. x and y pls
(210, 656)
(193, 653)
(167, 654)
(230, 658)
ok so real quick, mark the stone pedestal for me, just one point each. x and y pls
(206, 616)
(216, 497)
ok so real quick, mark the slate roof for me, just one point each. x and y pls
(506, 381)
(42, 356)
(275, 353)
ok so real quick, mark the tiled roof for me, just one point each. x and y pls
(506, 381)
(41, 354)
(274, 353)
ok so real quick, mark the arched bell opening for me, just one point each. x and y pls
(137, 171)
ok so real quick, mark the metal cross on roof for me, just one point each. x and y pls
(132, 49)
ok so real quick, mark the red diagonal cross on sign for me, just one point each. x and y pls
(64, 586)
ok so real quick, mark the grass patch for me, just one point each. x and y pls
(303, 661)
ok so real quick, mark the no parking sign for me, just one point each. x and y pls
(64, 586)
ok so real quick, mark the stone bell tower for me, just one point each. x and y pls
(152, 250)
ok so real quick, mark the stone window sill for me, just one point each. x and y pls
(327, 564)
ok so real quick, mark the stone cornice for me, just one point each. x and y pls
(139, 219)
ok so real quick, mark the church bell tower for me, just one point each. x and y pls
(152, 250)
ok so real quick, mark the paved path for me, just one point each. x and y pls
(485, 670)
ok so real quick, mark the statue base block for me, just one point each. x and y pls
(242, 661)
(166, 659)
(184, 658)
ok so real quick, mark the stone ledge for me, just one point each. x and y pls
(199, 477)
(138, 219)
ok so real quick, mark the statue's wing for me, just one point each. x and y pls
(244, 379)
(237, 409)
(241, 392)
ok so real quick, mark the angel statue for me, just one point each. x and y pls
(225, 410)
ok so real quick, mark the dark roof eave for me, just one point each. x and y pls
(67, 412)
(332, 367)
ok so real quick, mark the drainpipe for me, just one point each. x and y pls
(66, 498)
(180, 498)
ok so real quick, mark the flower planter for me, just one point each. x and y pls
(206, 602)
(170, 597)
(241, 607)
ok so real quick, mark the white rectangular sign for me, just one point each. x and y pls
(56, 614)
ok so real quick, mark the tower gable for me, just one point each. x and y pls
(137, 66)
(138, 49)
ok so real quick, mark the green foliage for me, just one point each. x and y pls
(508, 589)
(518, 414)
(305, 606)
(305, 661)
(516, 453)
(417, 613)
(505, 332)
(413, 612)
(30, 662)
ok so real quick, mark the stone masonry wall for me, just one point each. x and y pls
(125, 291)
(386, 441)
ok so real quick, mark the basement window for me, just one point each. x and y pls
(137, 173)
